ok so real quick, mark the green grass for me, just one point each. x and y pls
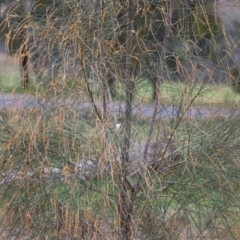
(171, 93)
(10, 83)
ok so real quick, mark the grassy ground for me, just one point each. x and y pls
(203, 94)
(171, 93)
(9, 74)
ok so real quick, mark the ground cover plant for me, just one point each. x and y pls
(92, 160)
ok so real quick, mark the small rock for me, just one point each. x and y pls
(56, 170)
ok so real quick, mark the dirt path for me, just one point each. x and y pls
(11, 102)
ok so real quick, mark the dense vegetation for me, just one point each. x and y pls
(89, 159)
